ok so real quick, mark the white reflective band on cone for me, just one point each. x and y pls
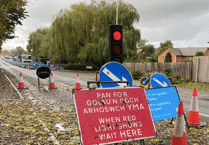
(194, 104)
(21, 80)
(179, 128)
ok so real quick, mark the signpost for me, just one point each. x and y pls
(114, 71)
(158, 80)
(163, 102)
(144, 82)
(113, 115)
(43, 73)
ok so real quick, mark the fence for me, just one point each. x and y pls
(184, 69)
(201, 69)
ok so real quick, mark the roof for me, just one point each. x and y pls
(186, 51)
(192, 51)
(176, 51)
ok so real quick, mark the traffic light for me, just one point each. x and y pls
(116, 43)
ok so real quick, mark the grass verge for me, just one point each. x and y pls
(191, 85)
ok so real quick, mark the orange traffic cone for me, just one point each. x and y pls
(52, 85)
(179, 135)
(78, 85)
(21, 84)
(193, 118)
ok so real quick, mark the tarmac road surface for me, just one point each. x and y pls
(68, 79)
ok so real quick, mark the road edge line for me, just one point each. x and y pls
(52, 136)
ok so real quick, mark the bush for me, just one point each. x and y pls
(199, 53)
(168, 71)
(76, 66)
(187, 60)
(136, 74)
(168, 57)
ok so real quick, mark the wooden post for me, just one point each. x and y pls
(197, 67)
(207, 74)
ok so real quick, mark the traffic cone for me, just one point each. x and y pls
(52, 85)
(21, 84)
(179, 135)
(193, 118)
(78, 85)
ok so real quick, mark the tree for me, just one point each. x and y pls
(168, 57)
(142, 43)
(20, 50)
(199, 53)
(12, 12)
(5, 52)
(149, 49)
(166, 44)
(81, 34)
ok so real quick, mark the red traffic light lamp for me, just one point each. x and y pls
(117, 35)
(115, 43)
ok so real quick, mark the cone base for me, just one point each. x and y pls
(78, 86)
(52, 85)
(193, 118)
(21, 85)
(179, 141)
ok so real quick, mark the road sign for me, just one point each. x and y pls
(158, 80)
(114, 71)
(144, 82)
(43, 72)
(34, 63)
(163, 102)
(113, 115)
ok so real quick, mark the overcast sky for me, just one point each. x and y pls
(184, 22)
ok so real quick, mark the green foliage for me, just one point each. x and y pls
(187, 60)
(149, 49)
(166, 44)
(199, 53)
(168, 71)
(12, 12)
(174, 79)
(76, 66)
(81, 33)
(168, 57)
(137, 74)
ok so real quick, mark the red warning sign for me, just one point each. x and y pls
(113, 115)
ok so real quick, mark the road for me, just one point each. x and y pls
(68, 79)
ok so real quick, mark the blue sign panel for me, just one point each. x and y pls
(163, 103)
(34, 63)
(145, 81)
(158, 80)
(114, 71)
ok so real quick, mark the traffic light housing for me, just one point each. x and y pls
(116, 43)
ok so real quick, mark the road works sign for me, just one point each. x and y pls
(158, 80)
(163, 102)
(114, 71)
(144, 82)
(43, 72)
(113, 115)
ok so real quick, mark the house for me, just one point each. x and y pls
(141, 51)
(178, 54)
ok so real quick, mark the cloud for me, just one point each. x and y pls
(183, 22)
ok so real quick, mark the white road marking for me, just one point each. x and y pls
(164, 84)
(52, 136)
(204, 115)
(64, 84)
(114, 78)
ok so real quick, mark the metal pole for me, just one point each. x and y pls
(117, 14)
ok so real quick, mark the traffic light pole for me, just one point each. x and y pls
(117, 14)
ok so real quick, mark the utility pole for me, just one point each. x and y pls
(117, 14)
